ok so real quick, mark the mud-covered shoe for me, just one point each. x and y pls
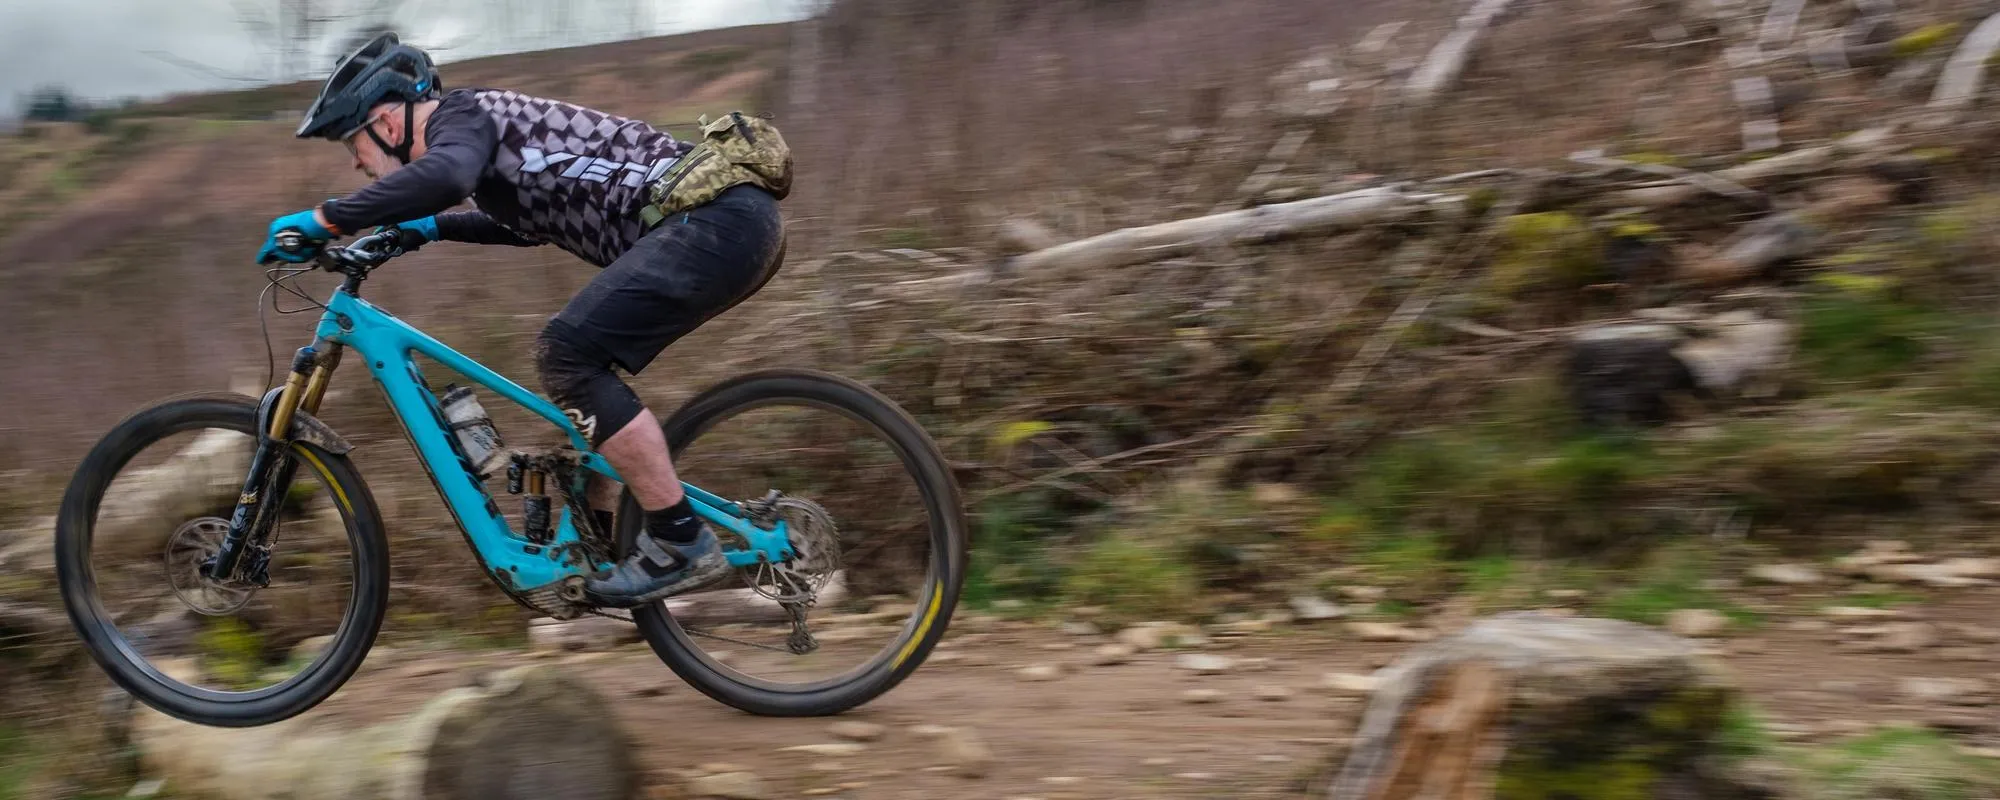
(659, 569)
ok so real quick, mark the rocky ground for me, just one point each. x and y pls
(1055, 707)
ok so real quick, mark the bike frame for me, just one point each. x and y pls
(518, 564)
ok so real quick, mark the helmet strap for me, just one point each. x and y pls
(401, 151)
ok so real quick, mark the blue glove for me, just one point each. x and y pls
(300, 224)
(414, 233)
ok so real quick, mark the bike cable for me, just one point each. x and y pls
(279, 278)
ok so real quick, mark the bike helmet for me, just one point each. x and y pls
(380, 70)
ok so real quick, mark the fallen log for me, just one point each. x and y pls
(1756, 247)
(529, 732)
(1804, 161)
(1143, 244)
(1779, 23)
(1440, 70)
(1964, 72)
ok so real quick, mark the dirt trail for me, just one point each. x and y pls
(1129, 731)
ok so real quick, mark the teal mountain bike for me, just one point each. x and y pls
(265, 585)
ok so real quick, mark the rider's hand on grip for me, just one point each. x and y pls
(294, 238)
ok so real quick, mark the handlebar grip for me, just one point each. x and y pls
(292, 241)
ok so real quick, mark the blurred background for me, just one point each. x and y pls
(1324, 328)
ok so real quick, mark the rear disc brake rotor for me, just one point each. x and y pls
(815, 557)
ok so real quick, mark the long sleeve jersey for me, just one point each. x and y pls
(538, 171)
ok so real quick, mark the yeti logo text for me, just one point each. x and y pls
(591, 168)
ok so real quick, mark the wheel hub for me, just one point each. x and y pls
(192, 546)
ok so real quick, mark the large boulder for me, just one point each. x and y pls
(1638, 373)
(1533, 705)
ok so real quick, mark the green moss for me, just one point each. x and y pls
(1857, 330)
(1132, 577)
(1901, 762)
(1877, 599)
(1546, 250)
(1481, 200)
(1636, 229)
(1650, 157)
(1936, 155)
(1018, 556)
(232, 652)
(1542, 780)
(1921, 40)
(1671, 578)
(17, 763)
(1607, 753)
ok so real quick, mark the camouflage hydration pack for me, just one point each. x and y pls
(735, 149)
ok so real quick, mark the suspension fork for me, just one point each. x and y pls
(271, 468)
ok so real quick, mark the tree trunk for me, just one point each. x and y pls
(529, 732)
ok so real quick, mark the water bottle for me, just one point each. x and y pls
(474, 429)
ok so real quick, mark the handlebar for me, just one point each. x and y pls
(363, 254)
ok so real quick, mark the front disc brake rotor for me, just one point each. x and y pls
(192, 545)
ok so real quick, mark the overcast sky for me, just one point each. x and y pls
(97, 48)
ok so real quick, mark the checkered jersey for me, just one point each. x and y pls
(570, 175)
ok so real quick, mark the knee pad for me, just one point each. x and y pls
(576, 374)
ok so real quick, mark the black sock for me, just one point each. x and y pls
(676, 523)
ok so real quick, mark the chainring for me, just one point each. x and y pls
(194, 543)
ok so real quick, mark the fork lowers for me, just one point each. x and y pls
(270, 475)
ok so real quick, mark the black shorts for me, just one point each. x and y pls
(684, 272)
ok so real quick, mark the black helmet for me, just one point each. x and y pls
(380, 70)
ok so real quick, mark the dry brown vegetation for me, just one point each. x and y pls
(1231, 422)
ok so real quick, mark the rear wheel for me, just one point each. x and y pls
(150, 502)
(875, 514)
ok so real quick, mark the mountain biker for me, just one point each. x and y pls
(543, 171)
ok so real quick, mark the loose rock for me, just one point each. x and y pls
(1112, 654)
(1697, 622)
(1855, 613)
(1201, 696)
(1272, 693)
(1951, 691)
(1906, 637)
(1308, 608)
(1156, 635)
(1041, 672)
(830, 749)
(1786, 574)
(583, 633)
(1387, 632)
(967, 753)
(1349, 683)
(1364, 594)
(729, 785)
(856, 730)
(1205, 663)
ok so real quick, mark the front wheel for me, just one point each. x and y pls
(150, 503)
(877, 520)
